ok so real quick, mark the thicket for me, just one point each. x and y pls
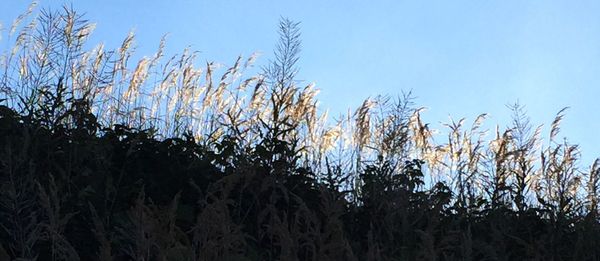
(100, 160)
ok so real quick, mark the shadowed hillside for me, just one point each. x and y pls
(107, 158)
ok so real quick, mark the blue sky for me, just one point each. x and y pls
(460, 58)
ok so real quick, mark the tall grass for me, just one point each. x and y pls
(166, 159)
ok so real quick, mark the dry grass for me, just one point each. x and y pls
(175, 97)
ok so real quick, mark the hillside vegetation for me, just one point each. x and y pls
(107, 158)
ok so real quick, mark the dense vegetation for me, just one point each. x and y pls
(161, 161)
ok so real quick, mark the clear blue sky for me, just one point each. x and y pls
(460, 58)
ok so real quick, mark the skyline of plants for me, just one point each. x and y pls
(264, 142)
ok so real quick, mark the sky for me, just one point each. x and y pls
(459, 58)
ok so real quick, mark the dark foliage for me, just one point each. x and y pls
(61, 184)
(74, 187)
